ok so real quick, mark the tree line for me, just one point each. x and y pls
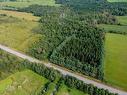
(70, 81)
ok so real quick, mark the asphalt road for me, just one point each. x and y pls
(63, 71)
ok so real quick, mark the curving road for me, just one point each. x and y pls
(63, 71)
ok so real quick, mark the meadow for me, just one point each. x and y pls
(115, 60)
(22, 83)
(16, 32)
(117, 0)
(26, 3)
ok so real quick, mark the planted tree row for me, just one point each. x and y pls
(87, 88)
(70, 81)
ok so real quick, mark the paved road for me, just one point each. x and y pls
(63, 71)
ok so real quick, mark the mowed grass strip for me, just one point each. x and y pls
(17, 33)
(20, 15)
(117, 28)
(122, 20)
(117, 0)
(116, 60)
(22, 83)
(26, 3)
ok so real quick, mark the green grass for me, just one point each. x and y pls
(117, 28)
(116, 60)
(122, 20)
(17, 33)
(22, 83)
(50, 89)
(26, 4)
(64, 90)
(117, 0)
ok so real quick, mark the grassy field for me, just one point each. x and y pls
(117, 28)
(22, 83)
(117, 0)
(20, 15)
(17, 33)
(122, 20)
(116, 60)
(64, 90)
(25, 3)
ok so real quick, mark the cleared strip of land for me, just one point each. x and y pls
(20, 15)
(117, 0)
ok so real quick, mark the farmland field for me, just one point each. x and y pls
(16, 32)
(22, 83)
(117, 0)
(115, 61)
(26, 3)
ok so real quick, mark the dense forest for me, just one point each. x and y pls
(70, 36)
(62, 32)
(63, 28)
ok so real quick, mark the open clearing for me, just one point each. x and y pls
(17, 33)
(20, 15)
(116, 60)
(22, 83)
(117, 0)
(26, 3)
